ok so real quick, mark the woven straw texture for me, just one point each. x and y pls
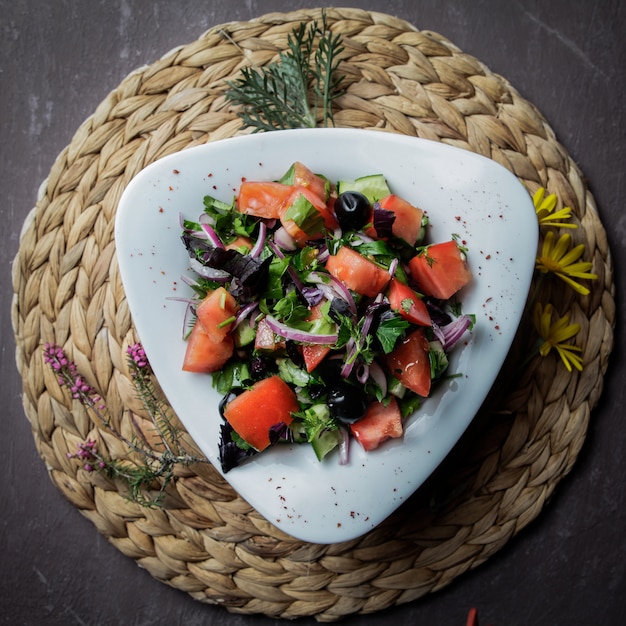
(206, 540)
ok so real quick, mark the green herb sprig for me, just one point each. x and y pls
(293, 91)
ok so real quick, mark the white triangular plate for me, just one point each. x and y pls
(462, 192)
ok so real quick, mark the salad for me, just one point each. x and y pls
(321, 310)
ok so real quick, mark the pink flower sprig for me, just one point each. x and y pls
(156, 466)
(68, 375)
(137, 356)
(87, 452)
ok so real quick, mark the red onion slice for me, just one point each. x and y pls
(298, 335)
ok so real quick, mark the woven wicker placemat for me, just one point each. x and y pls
(206, 540)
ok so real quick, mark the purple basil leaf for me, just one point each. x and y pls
(383, 221)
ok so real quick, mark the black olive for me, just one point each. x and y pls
(353, 210)
(346, 402)
(338, 307)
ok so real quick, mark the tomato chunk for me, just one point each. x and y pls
(314, 354)
(408, 222)
(205, 355)
(216, 313)
(322, 217)
(441, 270)
(408, 304)
(243, 244)
(262, 199)
(357, 272)
(410, 364)
(381, 422)
(253, 413)
(302, 176)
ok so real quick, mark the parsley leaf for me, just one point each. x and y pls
(305, 216)
(227, 221)
(390, 328)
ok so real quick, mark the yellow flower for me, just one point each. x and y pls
(555, 334)
(544, 207)
(558, 259)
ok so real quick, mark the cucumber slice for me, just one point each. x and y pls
(320, 430)
(373, 187)
(395, 387)
(325, 441)
(244, 335)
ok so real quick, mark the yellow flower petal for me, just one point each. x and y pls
(538, 196)
(561, 247)
(564, 333)
(577, 287)
(545, 208)
(556, 258)
(569, 358)
(554, 334)
(573, 255)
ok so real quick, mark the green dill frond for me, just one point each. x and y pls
(289, 92)
(328, 82)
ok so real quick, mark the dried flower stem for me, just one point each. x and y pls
(156, 466)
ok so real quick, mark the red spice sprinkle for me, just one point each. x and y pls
(457, 218)
(243, 179)
(211, 174)
(488, 257)
(160, 209)
(171, 188)
(175, 172)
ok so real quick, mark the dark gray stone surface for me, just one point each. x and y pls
(60, 58)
